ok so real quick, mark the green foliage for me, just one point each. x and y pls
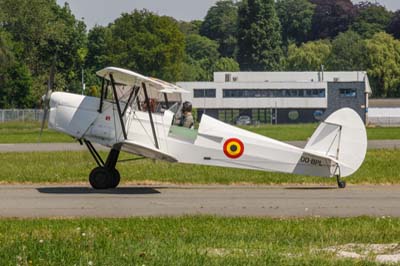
(192, 27)
(296, 19)
(147, 43)
(371, 18)
(259, 36)
(383, 63)
(309, 56)
(226, 64)
(348, 53)
(203, 59)
(220, 25)
(43, 33)
(199, 47)
(98, 39)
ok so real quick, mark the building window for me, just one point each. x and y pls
(348, 93)
(205, 93)
(228, 77)
(274, 93)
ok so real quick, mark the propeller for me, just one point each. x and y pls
(46, 98)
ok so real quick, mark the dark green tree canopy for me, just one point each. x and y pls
(148, 43)
(259, 36)
(220, 25)
(370, 19)
(331, 18)
(394, 25)
(296, 19)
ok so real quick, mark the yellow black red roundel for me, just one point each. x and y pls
(233, 148)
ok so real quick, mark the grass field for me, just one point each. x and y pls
(28, 132)
(380, 167)
(192, 241)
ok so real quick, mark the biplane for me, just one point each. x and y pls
(136, 114)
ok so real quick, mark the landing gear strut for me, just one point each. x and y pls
(341, 183)
(105, 176)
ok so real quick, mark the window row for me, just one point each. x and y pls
(274, 93)
(205, 93)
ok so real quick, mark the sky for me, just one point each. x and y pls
(102, 12)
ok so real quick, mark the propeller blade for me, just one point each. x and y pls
(46, 99)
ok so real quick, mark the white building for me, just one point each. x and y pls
(283, 97)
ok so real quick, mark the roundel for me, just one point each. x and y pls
(233, 148)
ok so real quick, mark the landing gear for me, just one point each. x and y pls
(105, 176)
(341, 183)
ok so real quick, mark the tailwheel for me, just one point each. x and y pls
(341, 183)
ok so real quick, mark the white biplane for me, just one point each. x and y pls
(136, 114)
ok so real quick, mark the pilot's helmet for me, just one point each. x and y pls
(187, 107)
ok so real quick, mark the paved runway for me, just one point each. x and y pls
(50, 147)
(78, 201)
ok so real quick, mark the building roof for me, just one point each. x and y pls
(305, 77)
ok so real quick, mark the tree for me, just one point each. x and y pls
(331, 18)
(348, 53)
(192, 27)
(259, 36)
(148, 43)
(226, 64)
(199, 47)
(394, 25)
(309, 56)
(384, 64)
(220, 24)
(370, 19)
(98, 40)
(202, 53)
(44, 33)
(296, 19)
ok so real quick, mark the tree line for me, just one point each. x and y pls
(247, 35)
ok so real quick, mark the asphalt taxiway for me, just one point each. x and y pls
(258, 201)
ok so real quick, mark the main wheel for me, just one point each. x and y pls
(342, 184)
(100, 178)
(116, 178)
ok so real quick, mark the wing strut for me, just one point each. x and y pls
(118, 107)
(150, 115)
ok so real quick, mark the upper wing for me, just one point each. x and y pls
(130, 78)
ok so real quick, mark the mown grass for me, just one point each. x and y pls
(189, 241)
(380, 167)
(28, 132)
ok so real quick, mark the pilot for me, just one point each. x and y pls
(186, 120)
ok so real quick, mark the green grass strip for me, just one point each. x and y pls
(190, 241)
(380, 167)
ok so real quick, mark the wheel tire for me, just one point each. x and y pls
(116, 178)
(100, 178)
(342, 184)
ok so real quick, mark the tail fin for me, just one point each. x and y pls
(342, 137)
